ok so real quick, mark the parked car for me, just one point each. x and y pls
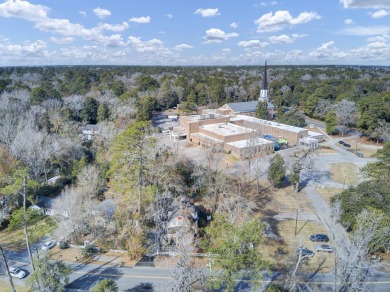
(305, 252)
(324, 248)
(16, 272)
(341, 142)
(49, 244)
(359, 154)
(347, 145)
(319, 238)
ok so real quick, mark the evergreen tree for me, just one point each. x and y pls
(262, 111)
(48, 275)
(106, 285)
(103, 112)
(331, 122)
(89, 112)
(236, 253)
(276, 171)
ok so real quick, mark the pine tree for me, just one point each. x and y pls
(262, 111)
(276, 171)
(331, 122)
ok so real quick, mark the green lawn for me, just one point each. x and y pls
(15, 240)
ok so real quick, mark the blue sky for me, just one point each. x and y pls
(185, 32)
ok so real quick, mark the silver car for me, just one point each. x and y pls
(324, 248)
(16, 272)
(49, 244)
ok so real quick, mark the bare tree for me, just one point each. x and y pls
(345, 111)
(89, 180)
(381, 131)
(185, 277)
(235, 205)
(73, 211)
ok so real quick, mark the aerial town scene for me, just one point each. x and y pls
(195, 146)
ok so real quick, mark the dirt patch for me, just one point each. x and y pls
(344, 173)
(73, 254)
(170, 262)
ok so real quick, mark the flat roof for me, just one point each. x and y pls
(250, 142)
(268, 123)
(206, 138)
(226, 129)
(315, 134)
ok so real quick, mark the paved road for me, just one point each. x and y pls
(316, 123)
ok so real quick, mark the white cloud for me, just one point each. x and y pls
(270, 22)
(142, 19)
(23, 9)
(252, 43)
(209, 12)
(375, 4)
(169, 16)
(182, 47)
(113, 27)
(366, 30)
(265, 4)
(83, 13)
(64, 40)
(376, 52)
(145, 46)
(379, 14)
(328, 51)
(216, 35)
(29, 48)
(234, 25)
(383, 38)
(348, 21)
(101, 13)
(285, 39)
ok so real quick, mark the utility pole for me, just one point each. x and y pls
(357, 140)
(296, 222)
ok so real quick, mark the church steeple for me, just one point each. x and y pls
(265, 84)
(264, 89)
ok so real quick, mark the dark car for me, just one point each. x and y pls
(341, 142)
(304, 252)
(359, 154)
(319, 238)
(347, 145)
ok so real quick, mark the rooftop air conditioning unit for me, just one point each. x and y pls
(202, 117)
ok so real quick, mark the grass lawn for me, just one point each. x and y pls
(327, 193)
(279, 253)
(345, 172)
(366, 150)
(15, 240)
(6, 287)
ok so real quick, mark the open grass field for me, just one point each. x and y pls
(345, 173)
(15, 240)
